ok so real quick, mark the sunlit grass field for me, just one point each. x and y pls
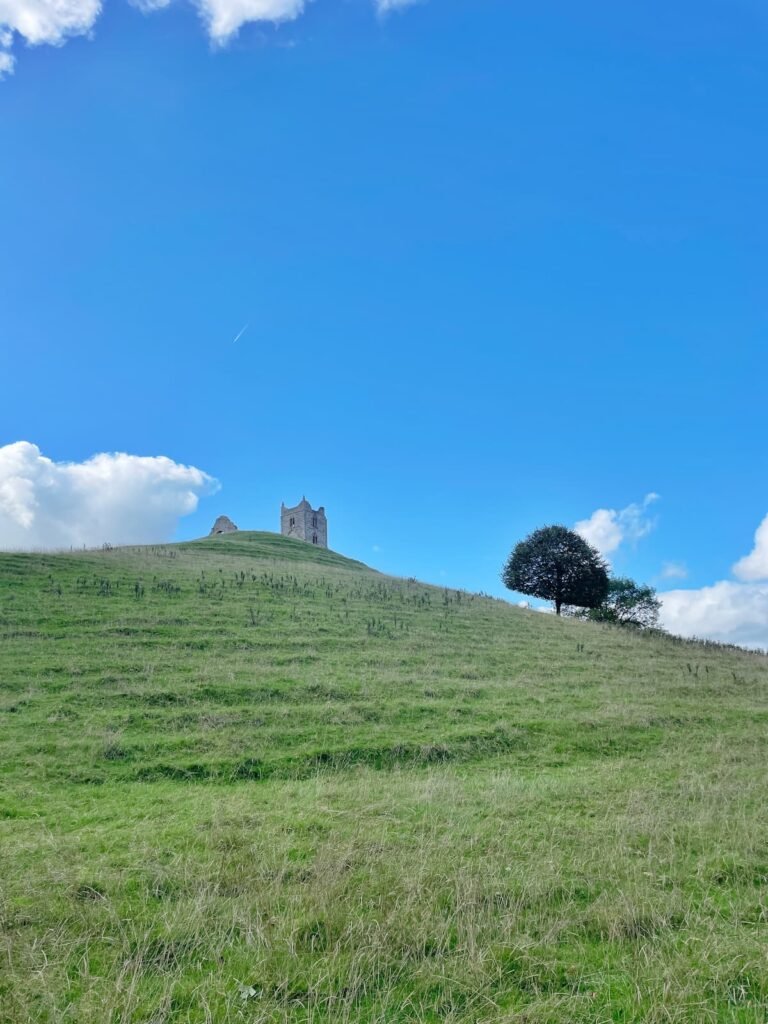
(247, 780)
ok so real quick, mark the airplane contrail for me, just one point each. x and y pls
(242, 332)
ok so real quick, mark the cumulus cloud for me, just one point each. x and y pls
(754, 566)
(42, 21)
(608, 528)
(734, 613)
(728, 611)
(47, 21)
(55, 21)
(225, 18)
(111, 497)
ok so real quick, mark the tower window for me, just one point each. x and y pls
(293, 521)
(314, 520)
(314, 538)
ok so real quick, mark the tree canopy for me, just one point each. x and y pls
(628, 604)
(558, 565)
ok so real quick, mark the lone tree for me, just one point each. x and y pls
(557, 565)
(628, 604)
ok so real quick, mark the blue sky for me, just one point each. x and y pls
(501, 264)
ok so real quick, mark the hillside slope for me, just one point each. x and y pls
(247, 779)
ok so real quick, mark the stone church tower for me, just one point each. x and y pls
(305, 523)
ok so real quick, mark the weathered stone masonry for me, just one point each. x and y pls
(305, 523)
(223, 525)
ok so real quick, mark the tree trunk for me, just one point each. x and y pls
(558, 605)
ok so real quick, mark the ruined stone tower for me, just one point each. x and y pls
(222, 525)
(305, 523)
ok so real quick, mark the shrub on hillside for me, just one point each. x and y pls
(627, 603)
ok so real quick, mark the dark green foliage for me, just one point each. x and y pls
(628, 604)
(558, 565)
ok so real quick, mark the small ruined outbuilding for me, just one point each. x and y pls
(223, 525)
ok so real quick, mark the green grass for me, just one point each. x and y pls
(247, 780)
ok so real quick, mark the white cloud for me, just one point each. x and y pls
(735, 613)
(148, 6)
(385, 6)
(728, 611)
(47, 21)
(608, 528)
(114, 498)
(55, 21)
(754, 566)
(674, 571)
(224, 18)
(43, 21)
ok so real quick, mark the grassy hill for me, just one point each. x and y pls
(247, 780)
